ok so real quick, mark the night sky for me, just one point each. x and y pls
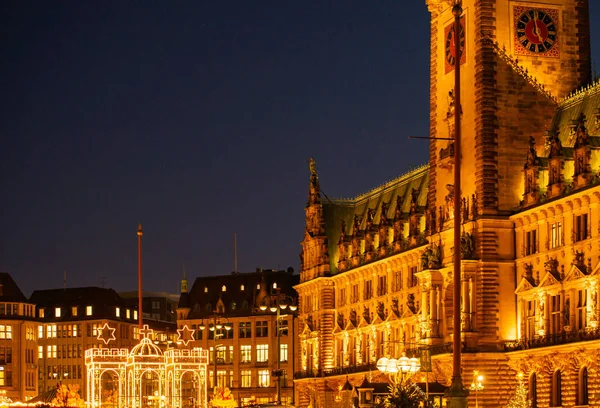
(196, 119)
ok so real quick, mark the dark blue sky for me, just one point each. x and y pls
(196, 119)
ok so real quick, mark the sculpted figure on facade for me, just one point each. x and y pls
(431, 257)
(340, 320)
(366, 314)
(395, 308)
(353, 317)
(551, 266)
(381, 310)
(467, 245)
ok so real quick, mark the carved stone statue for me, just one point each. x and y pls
(312, 166)
(414, 200)
(353, 317)
(467, 245)
(579, 260)
(395, 306)
(567, 313)
(366, 314)
(380, 310)
(551, 266)
(340, 320)
(410, 303)
(431, 257)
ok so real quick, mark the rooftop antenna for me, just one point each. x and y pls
(139, 234)
(235, 260)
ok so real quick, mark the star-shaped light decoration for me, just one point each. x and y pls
(106, 333)
(185, 335)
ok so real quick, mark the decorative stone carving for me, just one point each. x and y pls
(556, 185)
(531, 173)
(431, 257)
(366, 315)
(467, 245)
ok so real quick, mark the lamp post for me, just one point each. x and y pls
(476, 385)
(403, 366)
(282, 302)
(216, 323)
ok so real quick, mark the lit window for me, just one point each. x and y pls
(263, 378)
(135, 315)
(258, 286)
(57, 312)
(246, 354)
(223, 288)
(2, 382)
(242, 288)
(48, 351)
(274, 285)
(128, 313)
(262, 353)
(283, 353)
(88, 310)
(118, 311)
(246, 376)
(5, 331)
(557, 234)
(41, 313)
(51, 331)
(40, 332)
(40, 351)
(74, 311)
(206, 289)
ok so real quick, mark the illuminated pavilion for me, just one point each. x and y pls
(146, 376)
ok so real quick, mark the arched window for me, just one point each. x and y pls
(223, 288)
(233, 305)
(555, 390)
(533, 390)
(582, 388)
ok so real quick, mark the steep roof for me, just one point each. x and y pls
(9, 290)
(241, 289)
(585, 101)
(337, 211)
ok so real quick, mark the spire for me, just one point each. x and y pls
(314, 191)
(184, 282)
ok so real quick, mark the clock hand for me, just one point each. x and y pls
(537, 32)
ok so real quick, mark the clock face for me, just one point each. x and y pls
(536, 31)
(450, 53)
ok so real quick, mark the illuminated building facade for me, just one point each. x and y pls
(376, 271)
(70, 322)
(18, 342)
(244, 335)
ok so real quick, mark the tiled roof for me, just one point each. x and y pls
(10, 292)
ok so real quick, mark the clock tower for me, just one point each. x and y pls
(518, 59)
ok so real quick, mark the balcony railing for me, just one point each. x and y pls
(553, 339)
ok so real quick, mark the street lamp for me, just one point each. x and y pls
(282, 302)
(216, 323)
(403, 366)
(476, 386)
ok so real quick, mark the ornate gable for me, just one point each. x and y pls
(524, 286)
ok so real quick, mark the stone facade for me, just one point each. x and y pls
(376, 277)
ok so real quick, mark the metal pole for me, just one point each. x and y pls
(457, 391)
(215, 353)
(140, 320)
(278, 355)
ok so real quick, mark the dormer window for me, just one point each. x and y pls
(118, 311)
(274, 285)
(206, 289)
(57, 312)
(135, 315)
(223, 288)
(88, 310)
(41, 313)
(128, 313)
(242, 288)
(258, 286)
(74, 311)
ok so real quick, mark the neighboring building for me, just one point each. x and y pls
(159, 313)
(246, 353)
(18, 342)
(70, 321)
(376, 272)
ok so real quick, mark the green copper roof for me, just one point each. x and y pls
(586, 101)
(337, 210)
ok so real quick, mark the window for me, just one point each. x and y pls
(245, 330)
(580, 227)
(263, 378)
(135, 315)
(382, 285)
(556, 235)
(283, 353)
(532, 392)
(41, 313)
(40, 352)
(412, 277)
(555, 314)
(262, 353)
(581, 397)
(246, 377)
(40, 332)
(262, 329)
(555, 390)
(88, 310)
(397, 281)
(118, 311)
(6, 331)
(233, 306)
(342, 297)
(74, 311)
(223, 288)
(581, 309)
(242, 288)
(283, 328)
(368, 290)
(530, 242)
(206, 289)
(354, 295)
(245, 354)
(57, 312)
